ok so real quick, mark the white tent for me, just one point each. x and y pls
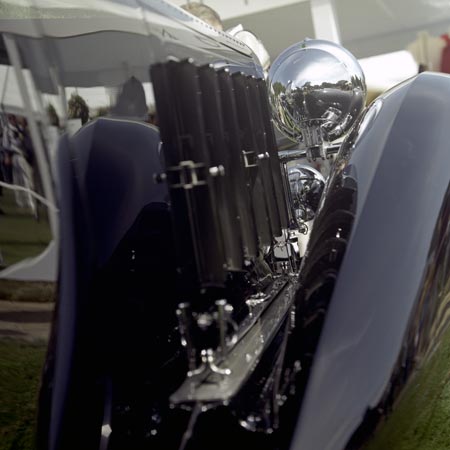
(10, 98)
(367, 27)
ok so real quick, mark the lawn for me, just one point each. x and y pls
(421, 418)
(27, 291)
(20, 369)
(21, 235)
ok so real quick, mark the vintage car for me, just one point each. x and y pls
(219, 285)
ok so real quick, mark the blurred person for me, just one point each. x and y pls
(30, 157)
(5, 151)
(25, 140)
(21, 172)
(427, 51)
(131, 102)
(3, 167)
(2, 177)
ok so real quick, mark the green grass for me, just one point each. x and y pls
(20, 369)
(27, 291)
(21, 235)
(421, 418)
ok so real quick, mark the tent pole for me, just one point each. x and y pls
(13, 53)
(325, 22)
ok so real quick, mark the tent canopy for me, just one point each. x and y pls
(367, 27)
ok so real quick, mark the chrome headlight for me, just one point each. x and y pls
(317, 91)
(306, 185)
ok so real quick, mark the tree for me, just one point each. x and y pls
(278, 88)
(52, 115)
(78, 108)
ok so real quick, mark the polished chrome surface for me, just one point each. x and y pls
(307, 185)
(219, 380)
(388, 316)
(301, 153)
(304, 187)
(184, 325)
(317, 90)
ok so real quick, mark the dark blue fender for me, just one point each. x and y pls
(389, 259)
(116, 251)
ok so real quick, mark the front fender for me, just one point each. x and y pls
(387, 311)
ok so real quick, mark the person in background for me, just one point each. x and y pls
(21, 171)
(6, 154)
(2, 176)
(131, 102)
(427, 51)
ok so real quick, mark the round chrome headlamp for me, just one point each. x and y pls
(306, 185)
(317, 91)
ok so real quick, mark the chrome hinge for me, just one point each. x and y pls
(189, 174)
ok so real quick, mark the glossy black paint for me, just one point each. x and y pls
(389, 307)
(116, 242)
